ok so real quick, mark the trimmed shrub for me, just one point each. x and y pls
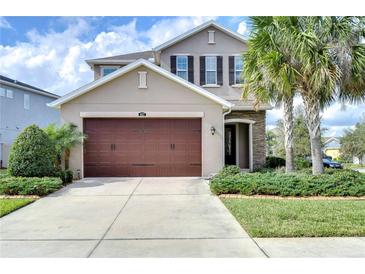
(332, 183)
(29, 186)
(66, 176)
(32, 154)
(274, 162)
(230, 170)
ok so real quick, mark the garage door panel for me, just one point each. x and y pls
(142, 147)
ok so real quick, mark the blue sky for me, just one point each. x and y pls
(49, 52)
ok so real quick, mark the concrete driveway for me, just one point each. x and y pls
(126, 217)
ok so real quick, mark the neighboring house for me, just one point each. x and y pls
(171, 111)
(20, 106)
(331, 147)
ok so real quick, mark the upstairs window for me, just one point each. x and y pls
(2, 92)
(107, 70)
(211, 70)
(238, 67)
(9, 93)
(26, 101)
(182, 66)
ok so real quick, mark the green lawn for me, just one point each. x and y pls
(9, 205)
(299, 218)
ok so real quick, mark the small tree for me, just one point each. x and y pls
(63, 139)
(353, 142)
(32, 154)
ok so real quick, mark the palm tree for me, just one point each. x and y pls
(268, 76)
(326, 62)
(64, 138)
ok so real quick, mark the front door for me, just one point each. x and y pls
(230, 144)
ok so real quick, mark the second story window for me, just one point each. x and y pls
(238, 67)
(182, 66)
(9, 93)
(26, 101)
(107, 70)
(211, 70)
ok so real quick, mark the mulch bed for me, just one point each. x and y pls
(239, 196)
(18, 196)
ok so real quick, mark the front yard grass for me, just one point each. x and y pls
(9, 205)
(299, 218)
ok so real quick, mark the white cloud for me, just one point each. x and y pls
(242, 29)
(167, 29)
(4, 23)
(55, 61)
(335, 118)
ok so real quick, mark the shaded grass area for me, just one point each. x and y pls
(9, 205)
(299, 218)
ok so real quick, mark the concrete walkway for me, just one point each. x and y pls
(126, 217)
(313, 247)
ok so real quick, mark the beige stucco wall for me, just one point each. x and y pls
(197, 45)
(162, 95)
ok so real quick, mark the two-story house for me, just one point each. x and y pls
(20, 106)
(172, 111)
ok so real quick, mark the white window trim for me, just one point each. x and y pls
(235, 78)
(103, 67)
(27, 107)
(187, 66)
(206, 70)
(2, 92)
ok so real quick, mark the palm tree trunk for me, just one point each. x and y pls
(312, 111)
(67, 158)
(288, 133)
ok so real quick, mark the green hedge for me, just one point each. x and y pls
(29, 185)
(32, 154)
(332, 183)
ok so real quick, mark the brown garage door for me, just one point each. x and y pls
(142, 147)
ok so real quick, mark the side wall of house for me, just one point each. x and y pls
(14, 117)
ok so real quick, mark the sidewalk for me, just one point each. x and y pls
(345, 247)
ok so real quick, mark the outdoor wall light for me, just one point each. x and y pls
(212, 130)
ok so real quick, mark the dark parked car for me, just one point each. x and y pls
(331, 164)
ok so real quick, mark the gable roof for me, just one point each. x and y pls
(140, 62)
(328, 140)
(17, 84)
(197, 29)
(122, 59)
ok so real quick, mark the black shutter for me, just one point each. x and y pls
(231, 70)
(202, 70)
(191, 69)
(220, 70)
(173, 64)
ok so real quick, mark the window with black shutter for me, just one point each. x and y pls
(191, 69)
(202, 70)
(173, 64)
(231, 70)
(219, 70)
